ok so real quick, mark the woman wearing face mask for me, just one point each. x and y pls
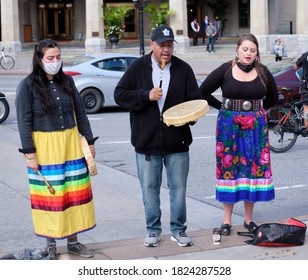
(50, 116)
(243, 166)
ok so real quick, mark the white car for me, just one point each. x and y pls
(97, 77)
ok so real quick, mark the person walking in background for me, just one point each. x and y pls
(148, 94)
(279, 45)
(196, 28)
(279, 50)
(210, 33)
(218, 29)
(50, 115)
(302, 61)
(243, 165)
(204, 24)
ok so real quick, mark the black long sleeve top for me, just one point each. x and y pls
(222, 78)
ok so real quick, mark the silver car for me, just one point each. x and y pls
(97, 77)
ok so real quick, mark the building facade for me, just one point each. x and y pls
(32, 20)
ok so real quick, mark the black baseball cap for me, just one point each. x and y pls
(162, 34)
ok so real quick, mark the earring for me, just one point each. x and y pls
(236, 54)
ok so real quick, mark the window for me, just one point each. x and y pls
(113, 64)
(130, 60)
(244, 13)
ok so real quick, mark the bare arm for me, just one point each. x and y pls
(296, 67)
(305, 115)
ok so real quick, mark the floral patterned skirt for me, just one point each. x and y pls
(243, 167)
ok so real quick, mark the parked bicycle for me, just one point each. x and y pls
(4, 107)
(286, 123)
(6, 61)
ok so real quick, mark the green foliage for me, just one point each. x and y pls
(113, 17)
(219, 8)
(159, 14)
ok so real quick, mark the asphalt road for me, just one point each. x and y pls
(114, 150)
(289, 169)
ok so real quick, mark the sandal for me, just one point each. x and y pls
(225, 229)
(252, 226)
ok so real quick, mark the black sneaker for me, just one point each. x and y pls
(52, 251)
(80, 250)
(225, 229)
(252, 226)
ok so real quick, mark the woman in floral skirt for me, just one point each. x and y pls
(243, 167)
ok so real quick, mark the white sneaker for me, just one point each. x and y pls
(151, 240)
(182, 239)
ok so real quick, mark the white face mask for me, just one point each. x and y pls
(52, 68)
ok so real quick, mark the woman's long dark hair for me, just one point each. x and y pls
(259, 67)
(39, 77)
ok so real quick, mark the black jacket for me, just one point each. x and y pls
(149, 134)
(30, 115)
(302, 61)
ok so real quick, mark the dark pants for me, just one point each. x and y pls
(210, 41)
(203, 37)
(195, 39)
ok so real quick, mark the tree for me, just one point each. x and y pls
(159, 14)
(219, 9)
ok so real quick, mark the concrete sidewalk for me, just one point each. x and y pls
(120, 229)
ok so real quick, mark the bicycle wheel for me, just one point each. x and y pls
(4, 109)
(283, 135)
(7, 62)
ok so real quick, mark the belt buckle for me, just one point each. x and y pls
(247, 105)
(227, 103)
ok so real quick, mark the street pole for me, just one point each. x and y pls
(141, 30)
(140, 4)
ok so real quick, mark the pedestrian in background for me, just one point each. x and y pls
(279, 44)
(204, 24)
(278, 48)
(243, 166)
(302, 61)
(148, 94)
(50, 115)
(218, 29)
(210, 33)
(196, 29)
